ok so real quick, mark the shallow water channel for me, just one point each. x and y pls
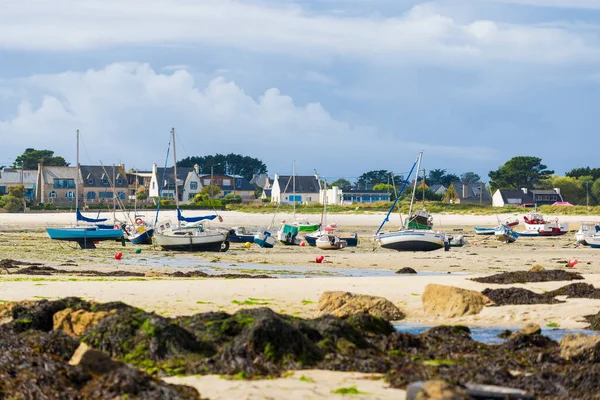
(489, 335)
(279, 271)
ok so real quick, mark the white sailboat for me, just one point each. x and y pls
(416, 234)
(195, 235)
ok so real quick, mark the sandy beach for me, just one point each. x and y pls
(22, 238)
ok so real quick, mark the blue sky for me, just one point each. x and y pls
(340, 86)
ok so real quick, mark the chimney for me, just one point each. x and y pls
(465, 190)
(154, 169)
(557, 190)
(524, 190)
(197, 169)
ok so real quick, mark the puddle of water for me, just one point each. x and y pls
(489, 335)
(214, 268)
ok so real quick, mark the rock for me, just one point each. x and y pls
(580, 347)
(342, 304)
(441, 390)
(537, 268)
(529, 329)
(526, 276)
(406, 270)
(75, 323)
(513, 295)
(94, 361)
(450, 302)
(4, 271)
(577, 290)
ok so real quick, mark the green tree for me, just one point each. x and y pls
(519, 172)
(435, 176)
(587, 171)
(343, 184)
(595, 189)
(380, 176)
(570, 189)
(470, 177)
(231, 198)
(32, 157)
(448, 179)
(142, 193)
(232, 164)
(14, 201)
(211, 190)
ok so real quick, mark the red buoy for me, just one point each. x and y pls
(118, 256)
(320, 259)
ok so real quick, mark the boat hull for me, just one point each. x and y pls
(265, 240)
(484, 231)
(331, 242)
(142, 238)
(308, 228)
(189, 242)
(411, 241)
(351, 239)
(84, 236)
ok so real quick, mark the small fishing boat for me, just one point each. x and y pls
(504, 233)
(289, 235)
(458, 241)
(480, 230)
(585, 231)
(239, 234)
(535, 221)
(264, 239)
(594, 241)
(350, 237)
(330, 242)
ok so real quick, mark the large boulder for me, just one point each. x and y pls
(580, 347)
(76, 322)
(344, 304)
(528, 330)
(450, 302)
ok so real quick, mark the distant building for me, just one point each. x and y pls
(526, 197)
(13, 178)
(471, 193)
(307, 189)
(56, 185)
(438, 188)
(162, 183)
(231, 184)
(103, 184)
(365, 196)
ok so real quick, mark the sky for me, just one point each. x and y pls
(338, 86)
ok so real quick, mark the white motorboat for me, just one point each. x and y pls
(535, 222)
(586, 231)
(330, 242)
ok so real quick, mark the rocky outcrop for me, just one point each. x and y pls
(451, 302)
(537, 268)
(76, 322)
(406, 270)
(528, 276)
(580, 347)
(441, 390)
(529, 329)
(502, 297)
(343, 304)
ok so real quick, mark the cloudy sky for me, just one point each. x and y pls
(340, 86)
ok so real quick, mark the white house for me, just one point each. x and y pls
(11, 177)
(188, 181)
(526, 197)
(299, 189)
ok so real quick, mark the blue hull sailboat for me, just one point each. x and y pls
(84, 235)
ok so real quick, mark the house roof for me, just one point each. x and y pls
(516, 194)
(166, 174)
(260, 180)
(49, 174)
(93, 175)
(15, 176)
(437, 186)
(303, 184)
(473, 190)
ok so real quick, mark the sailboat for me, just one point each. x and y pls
(328, 237)
(288, 232)
(194, 235)
(417, 233)
(84, 235)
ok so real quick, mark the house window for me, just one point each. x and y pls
(2, 190)
(52, 195)
(119, 181)
(106, 195)
(91, 195)
(90, 181)
(64, 184)
(121, 195)
(153, 185)
(226, 182)
(206, 182)
(191, 195)
(105, 182)
(545, 197)
(70, 195)
(193, 185)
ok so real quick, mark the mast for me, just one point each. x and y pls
(114, 194)
(77, 180)
(294, 186)
(412, 199)
(324, 222)
(175, 173)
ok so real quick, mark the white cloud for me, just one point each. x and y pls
(576, 4)
(126, 110)
(422, 35)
